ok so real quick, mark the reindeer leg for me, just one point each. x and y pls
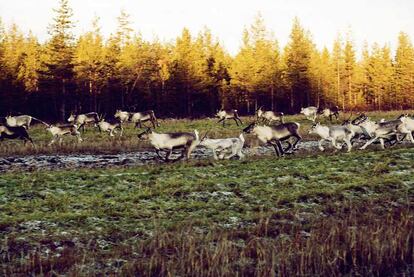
(167, 157)
(320, 145)
(288, 148)
(158, 154)
(295, 144)
(368, 143)
(236, 121)
(279, 145)
(276, 149)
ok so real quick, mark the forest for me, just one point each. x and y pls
(194, 75)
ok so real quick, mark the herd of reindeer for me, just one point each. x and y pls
(269, 127)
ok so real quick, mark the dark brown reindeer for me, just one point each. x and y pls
(19, 132)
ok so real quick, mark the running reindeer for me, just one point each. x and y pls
(18, 132)
(21, 120)
(231, 146)
(385, 131)
(224, 115)
(333, 134)
(58, 132)
(310, 113)
(81, 120)
(330, 112)
(275, 135)
(171, 141)
(111, 127)
(137, 118)
(268, 116)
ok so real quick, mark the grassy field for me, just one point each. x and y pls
(333, 214)
(95, 142)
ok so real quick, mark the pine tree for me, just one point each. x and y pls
(404, 72)
(28, 72)
(60, 54)
(297, 59)
(349, 64)
(89, 67)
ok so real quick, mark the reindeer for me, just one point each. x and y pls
(122, 116)
(382, 131)
(105, 126)
(18, 132)
(21, 120)
(233, 145)
(358, 131)
(59, 131)
(330, 112)
(140, 117)
(171, 141)
(406, 127)
(310, 112)
(333, 134)
(82, 119)
(274, 135)
(224, 115)
(268, 116)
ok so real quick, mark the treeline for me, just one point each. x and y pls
(194, 75)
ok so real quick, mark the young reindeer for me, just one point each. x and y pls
(82, 119)
(171, 141)
(268, 116)
(59, 131)
(310, 112)
(105, 126)
(333, 134)
(221, 146)
(140, 117)
(224, 115)
(274, 135)
(21, 120)
(19, 132)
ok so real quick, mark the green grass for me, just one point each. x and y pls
(113, 209)
(95, 142)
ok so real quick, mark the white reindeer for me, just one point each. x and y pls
(310, 112)
(333, 134)
(221, 146)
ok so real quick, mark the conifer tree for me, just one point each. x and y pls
(60, 54)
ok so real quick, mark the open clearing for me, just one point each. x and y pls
(313, 214)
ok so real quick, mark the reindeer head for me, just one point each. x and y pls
(360, 118)
(118, 113)
(259, 112)
(250, 128)
(221, 113)
(71, 118)
(314, 128)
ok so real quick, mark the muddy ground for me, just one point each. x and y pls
(142, 157)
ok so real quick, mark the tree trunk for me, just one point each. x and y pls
(62, 101)
(272, 98)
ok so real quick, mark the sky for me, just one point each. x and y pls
(368, 20)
